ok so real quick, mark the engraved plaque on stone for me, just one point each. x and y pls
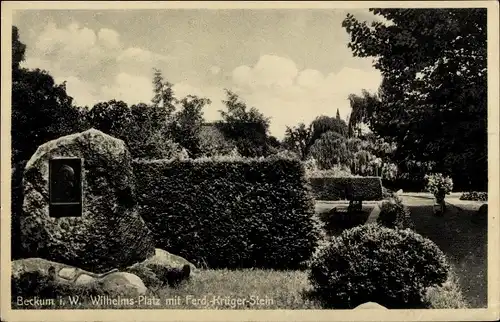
(65, 187)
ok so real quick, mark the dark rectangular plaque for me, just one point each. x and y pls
(65, 187)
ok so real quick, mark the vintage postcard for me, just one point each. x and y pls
(248, 161)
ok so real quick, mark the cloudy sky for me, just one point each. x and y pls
(291, 64)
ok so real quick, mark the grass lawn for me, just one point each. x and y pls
(462, 239)
(221, 289)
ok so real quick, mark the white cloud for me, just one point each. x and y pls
(215, 70)
(215, 94)
(279, 90)
(109, 38)
(125, 87)
(309, 78)
(132, 54)
(83, 93)
(93, 55)
(129, 88)
(71, 40)
(270, 71)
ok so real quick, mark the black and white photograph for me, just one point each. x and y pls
(331, 158)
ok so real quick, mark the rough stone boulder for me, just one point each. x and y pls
(150, 269)
(72, 279)
(110, 233)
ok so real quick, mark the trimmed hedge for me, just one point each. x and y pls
(350, 188)
(229, 213)
(372, 263)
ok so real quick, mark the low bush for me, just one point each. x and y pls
(394, 214)
(386, 193)
(229, 213)
(447, 296)
(481, 215)
(372, 263)
(350, 188)
(474, 196)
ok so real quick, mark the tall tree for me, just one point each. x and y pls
(433, 102)
(360, 106)
(41, 109)
(330, 150)
(323, 124)
(213, 142)
(148, 135)
(248, 128)
(163, 94)
(18, 50)
(298, 140)
(187, 124)
(338, 115)
(112, 117)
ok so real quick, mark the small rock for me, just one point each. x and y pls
(148, 270)
(164, 258)
(84, 280)
(122, 283)
(371, 306)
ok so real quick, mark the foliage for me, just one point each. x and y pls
(329, 150)
(17, 198)
(142, 127)
(41, 109)
(371, 263)
(163, 94)
(18, 50)
(312, 171)
(229, 213)
(148, 135)
(310, 165)
(112, 117)
(432, 101)
(346, 188)
(323, 124)
(446, 296)
(187, 124)
(213, 142)
(298, 139)
(360, 105)
(394, 214)
(437, 183)
(248, 129)
(285, 154)
(474, 196)
(389, 171)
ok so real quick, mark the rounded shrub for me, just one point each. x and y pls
(372, 263)
(394, 214)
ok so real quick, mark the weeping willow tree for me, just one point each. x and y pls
(361, 105)
(330, 150)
